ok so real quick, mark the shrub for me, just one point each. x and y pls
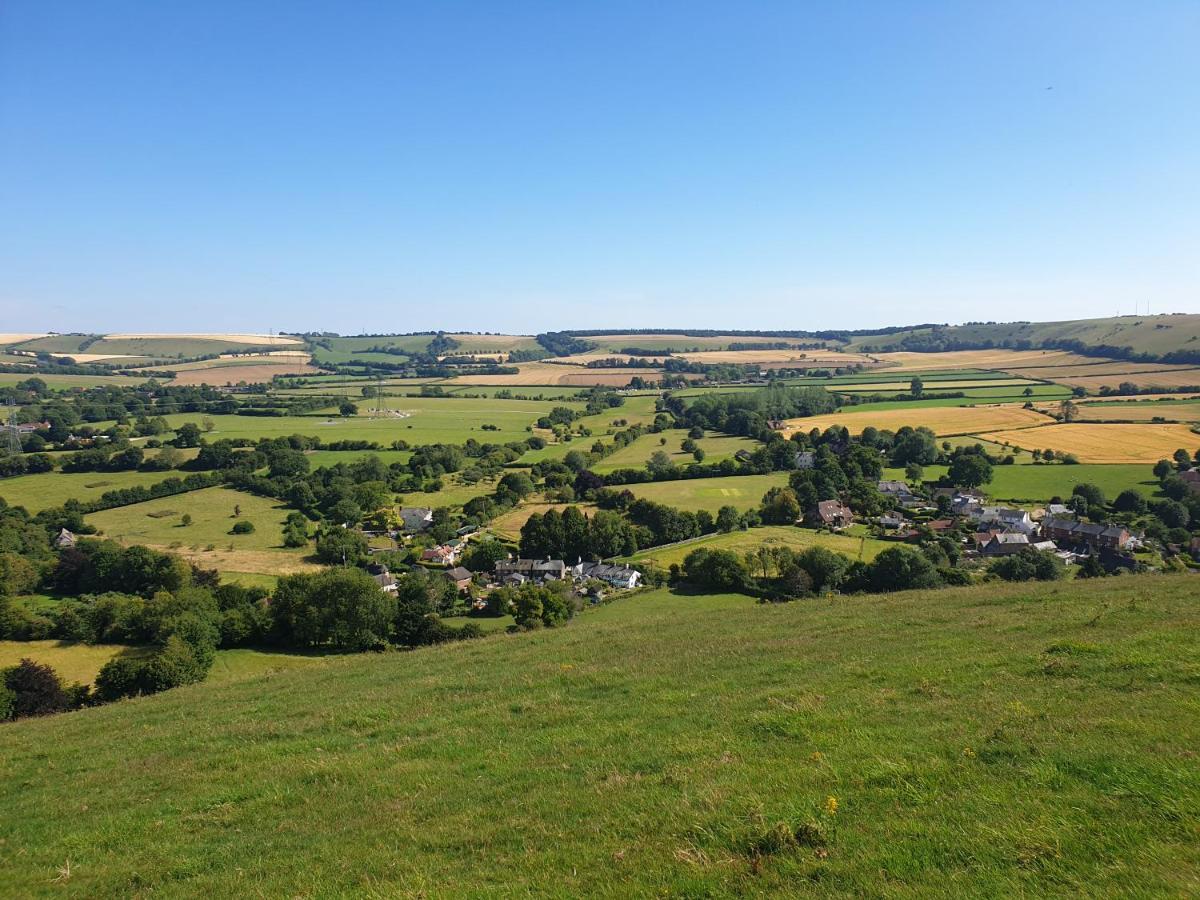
(243, 527)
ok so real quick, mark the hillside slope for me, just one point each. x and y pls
(1154, 335)
(992, 740)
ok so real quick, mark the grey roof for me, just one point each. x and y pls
(458, 573)
(1015, 538)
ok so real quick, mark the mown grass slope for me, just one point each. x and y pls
(991, 741)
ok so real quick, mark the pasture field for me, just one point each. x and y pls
(157, 522)
(941, 420)
(508, 526)
(167, 346)
(72, 660)
(426, 421)
(1039, 483)
(53, 343)
(635, 455)
(328, 458)
(453, 493)
(745, 541)
(740, 491)
(47, 489)
(1104, 443)
(262, 372)
(77, 662)
(1000, 740)
(638, 409)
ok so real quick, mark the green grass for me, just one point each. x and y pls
(430, 420)
(1004, 740)
(46, 489)
(740, 491)
(73, 661)
(67, 382)
(1038, 483)
(854, 546)
(635, 455)
(211, 510)
(329, 458)
(251, 579)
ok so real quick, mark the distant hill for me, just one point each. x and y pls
(1003, 740)
(1165, 338)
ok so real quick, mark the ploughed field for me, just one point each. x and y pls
(1004, 740)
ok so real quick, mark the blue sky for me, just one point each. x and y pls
(524, 166)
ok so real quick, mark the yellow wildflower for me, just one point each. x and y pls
(831, 805)
(968, 752)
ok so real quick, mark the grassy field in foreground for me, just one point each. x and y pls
(1038, 483)
(994, 741)
(855, 546)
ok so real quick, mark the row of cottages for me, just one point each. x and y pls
(1098, 536)
(458, 576)
(514, 572)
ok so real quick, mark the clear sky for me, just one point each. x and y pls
(523, 166)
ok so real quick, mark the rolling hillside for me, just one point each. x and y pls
(996, 741)
(1153, 335)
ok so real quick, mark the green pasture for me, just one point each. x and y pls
(47, 489)
(159, 521)
(856, 546)
(991, 741)
(740, 491)
(635, 455)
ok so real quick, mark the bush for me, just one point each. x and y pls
(243, 527)
(35, 690)
(1028, 565)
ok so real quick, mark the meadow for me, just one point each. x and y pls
(1005, 740)
(159, 522)
(739, 491)
(47, 489)
(637, 453)
(855, 545)
(1027, 483)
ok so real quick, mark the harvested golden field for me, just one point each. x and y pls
(1135, 411)
(265, 562)
(17, 337)
(1001, 360)
(1106, 367)
(814, 359)
(251, 374)
(81, 358)
(942, 420)
(256, 339)
(1176, 378)
(539, 373)
(1104, 443)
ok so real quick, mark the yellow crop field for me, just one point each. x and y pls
(537, 373)
(871, 387)
(1138, 411)
(1104, 443)
(1118, 367)
(1002, 360)
(942, 420)
(256, 339)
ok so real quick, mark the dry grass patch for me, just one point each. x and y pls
(942, 420)
(1134, 412)
(257, 339)
(1104, 443)
(259, 373)
(546, 373)
(508, 526)
(815, 359)
(1176, 378)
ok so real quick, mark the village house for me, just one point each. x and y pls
(382, 577)
(31, 427)
(1006, 544)
(831, 514)
(445, 555)
(416, 518)
(65, 540)
(1072, 532)
(531, 570)
(459, 577)
(1010, 519)
(804, 459)
(893, 520)
(624, 577)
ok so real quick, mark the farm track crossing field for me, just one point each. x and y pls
(745, 541)
(941, 420)
(47, 489)
(999, 741)
(1105, 443)
(740, 491)
(158, 521)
